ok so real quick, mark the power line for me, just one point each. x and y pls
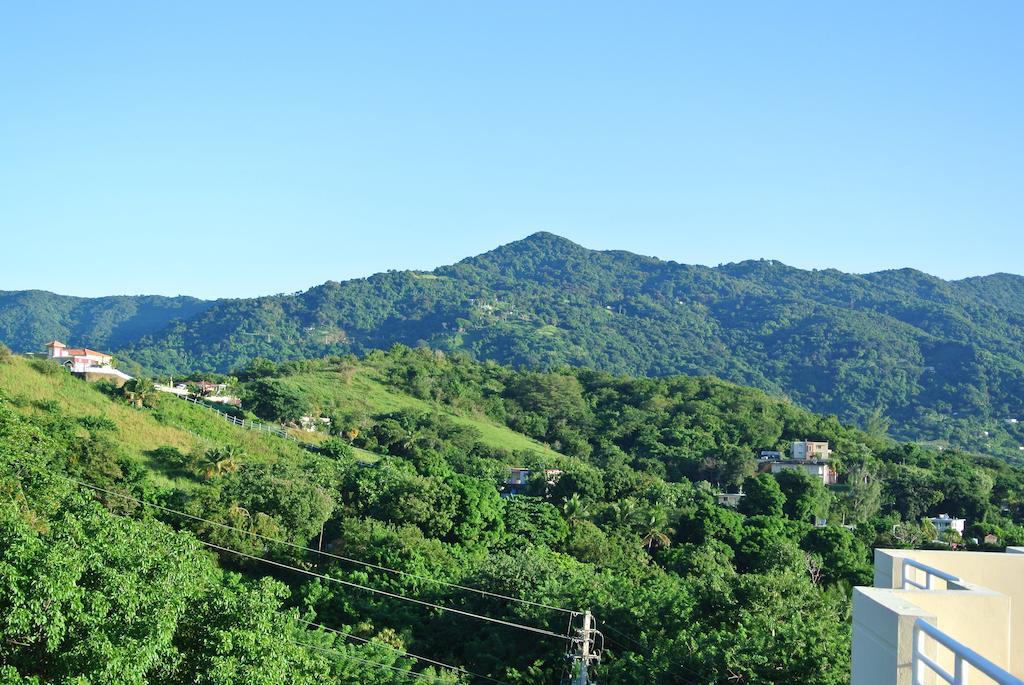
(647, 652)
(510, 624)
(403, 653)
(316, 551)
(354, 585)
(343, 655)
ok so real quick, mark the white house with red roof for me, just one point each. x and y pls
(78, 359)
(83, 360)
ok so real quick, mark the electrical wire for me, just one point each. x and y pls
(370, 662)
(403, 653)
(646, 651)
(316, 551)
(450, 667)
(348, 583)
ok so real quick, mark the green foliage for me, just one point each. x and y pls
(895, 351)
(139, 392)
(630, 529)
(274, 401)
(763, 496)
(806, 497)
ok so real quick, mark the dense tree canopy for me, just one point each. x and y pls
(624, 523)
(933, 359)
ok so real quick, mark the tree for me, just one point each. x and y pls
(139, 391)
(575, 509)
(655, 531)
(336, 448)
(864, 496)
(806, 496)
(217, 461)
(273, 400)
(762, 496)
(728, 466)
(843, 556)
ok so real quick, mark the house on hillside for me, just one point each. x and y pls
(519, 480)
(311, 424)
(730, 499)
(819, 470)
(809, 450)
(77, 359)
(944, 522)
(808, 456)
(89, 364)
(207, 388)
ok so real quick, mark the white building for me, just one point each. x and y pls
(519, 478)
(730, 499)
(944, 522)
(815, 469)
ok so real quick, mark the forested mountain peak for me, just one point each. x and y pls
(940, 359)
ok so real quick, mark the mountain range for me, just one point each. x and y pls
(927, 358)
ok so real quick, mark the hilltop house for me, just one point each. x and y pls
(815, 469)
(77, 359)
(92, 365)
(730, 499)
(808, 456)
(204, 388)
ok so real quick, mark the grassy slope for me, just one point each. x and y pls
(172, 423)
(362, 391)
(192, 429)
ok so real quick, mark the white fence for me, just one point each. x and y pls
(244, 423)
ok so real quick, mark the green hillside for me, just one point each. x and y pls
(940, 361)
(630, 529)
(58, 399)
(358, 389)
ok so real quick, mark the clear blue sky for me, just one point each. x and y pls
(234, 149)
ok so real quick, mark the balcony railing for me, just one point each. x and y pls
(963, 657)
(929, 573)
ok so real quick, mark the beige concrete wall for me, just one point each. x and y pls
(1000, 573)
(978, 619)
(883, 648)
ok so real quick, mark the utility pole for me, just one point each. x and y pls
(587, 653)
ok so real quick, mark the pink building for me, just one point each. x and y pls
(77, 359)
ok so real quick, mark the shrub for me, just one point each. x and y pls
(337, 448)
(47, 367)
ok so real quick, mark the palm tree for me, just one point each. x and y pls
(625, 514)
(230, 459)
(208, 463)
(138, 390)
(576, 509)
(217, 461)
(656, 530)
(238, 515)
